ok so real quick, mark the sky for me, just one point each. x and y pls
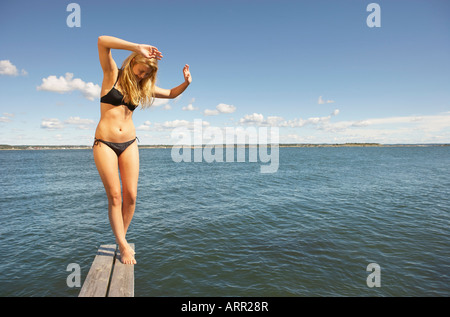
(314, 69)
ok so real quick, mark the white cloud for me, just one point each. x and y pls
(380, 122)
(429, 123)
(7, 117)
(209, 112)
(189, 107)
(175, 124)
(160, 102)
(7, 68)
(321, 101)
(54, 123)
(68, 84)
(146, 126)
(78, 120)
(389, 130)
(404, 129)
(149, 126)
(178, 124)
(220, 108)
(224, 108)
(255, 118)
(275, 121)
(51, 124)
(82, 124)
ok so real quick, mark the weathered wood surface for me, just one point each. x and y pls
(108, 277)
(122, 279)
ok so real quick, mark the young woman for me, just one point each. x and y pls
(115, 147)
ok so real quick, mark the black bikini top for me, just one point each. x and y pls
(115, 98)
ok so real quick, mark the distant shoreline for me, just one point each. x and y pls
(166, 146)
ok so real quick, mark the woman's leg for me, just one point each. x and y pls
(129, 172)
(107, 165)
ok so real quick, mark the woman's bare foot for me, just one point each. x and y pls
(131, 250)
(126, 256)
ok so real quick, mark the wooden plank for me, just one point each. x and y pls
(97, 280)
(122, 279)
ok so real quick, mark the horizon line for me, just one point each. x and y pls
(355, 144)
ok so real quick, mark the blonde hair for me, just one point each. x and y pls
(134, 92)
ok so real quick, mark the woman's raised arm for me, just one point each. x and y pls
(106, 43)
(176, 91)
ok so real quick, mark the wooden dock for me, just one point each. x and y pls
(108, 277)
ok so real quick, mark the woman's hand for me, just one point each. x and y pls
(187, 74)
(148, 51)
(176, 91)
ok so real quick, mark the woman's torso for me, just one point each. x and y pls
(116, 124)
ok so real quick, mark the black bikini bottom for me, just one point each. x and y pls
(118, 148)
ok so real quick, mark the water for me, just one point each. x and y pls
(225, 229)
